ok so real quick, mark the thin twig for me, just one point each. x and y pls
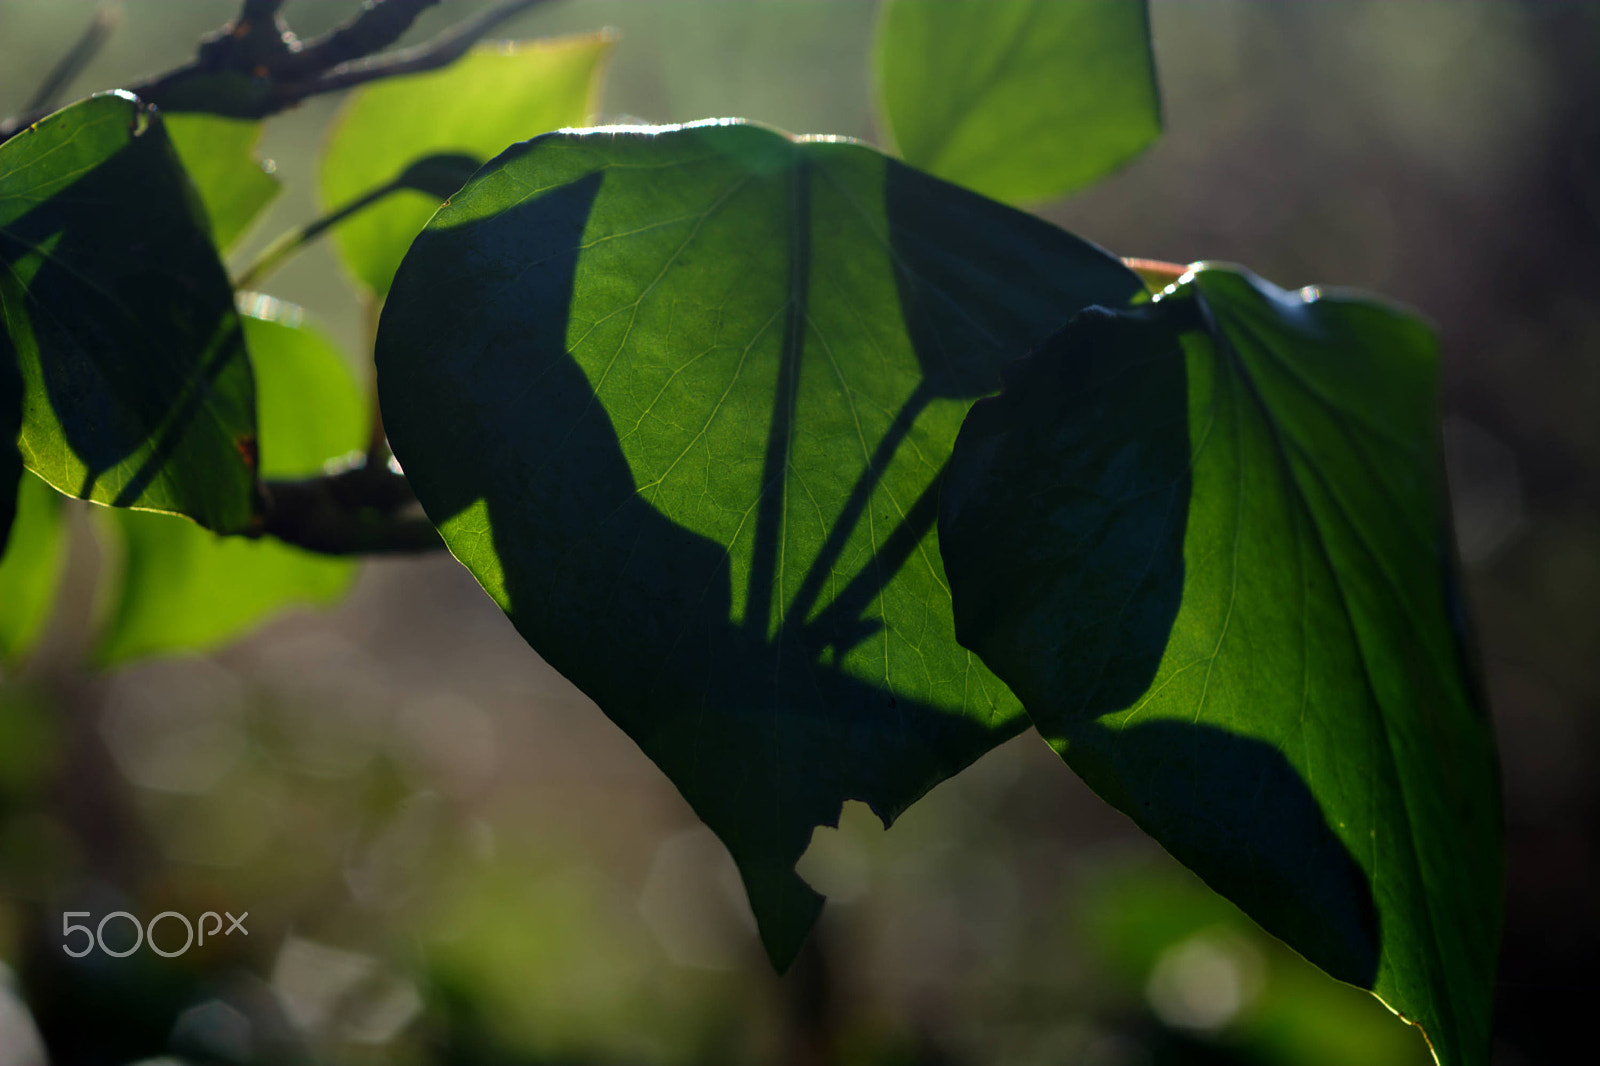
(441, 51)
(287, 243)
(378, 25)
(438, 175)
(106, 19)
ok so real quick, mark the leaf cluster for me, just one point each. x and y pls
(822, 468)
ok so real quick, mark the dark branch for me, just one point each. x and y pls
(441, 51)
(380, 24)
(254, 67)
(255, 40)
(366, 510)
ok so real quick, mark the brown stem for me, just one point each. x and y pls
(365, 510)
(1156, 274)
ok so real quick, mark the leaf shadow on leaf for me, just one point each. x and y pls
(132, 344)
(1064, 525)
(1230, 808)
(605, 569)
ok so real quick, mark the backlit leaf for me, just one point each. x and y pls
(680, 399)
(1205, 544)
(219, 154)
(1022, 100)
(136, 387)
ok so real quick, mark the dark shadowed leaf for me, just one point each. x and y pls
(185, 589)
(31, 569)
(136, 387)
(680, 399)
(1022, 100)
(494, 96)
(1205, 544)
(219, 154)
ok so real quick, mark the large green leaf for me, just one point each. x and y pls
(136, 387)
(1205, 544)
(493, 96)
(184, 589)
(1022, 100)
(219, 154)
(31, 569)
(11, 470)
(680, 399)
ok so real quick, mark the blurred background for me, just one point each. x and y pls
(449, 855)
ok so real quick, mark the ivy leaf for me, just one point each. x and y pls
(680, 399)
(1021, 100)
(491, 97)
(185, 589)
(1204, 543)
(136, 387)
(219, 155)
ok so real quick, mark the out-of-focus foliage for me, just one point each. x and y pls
(1021, 100)
(1209, 975)
(219, 156)
(182, 588)
(31, 568)
(492, 97)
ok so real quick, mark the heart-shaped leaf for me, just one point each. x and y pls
(136, 387)
(680, 398)
(1205, 543)
(1022, 100)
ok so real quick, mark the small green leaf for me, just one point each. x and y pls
(1022, 100)
(1205, 544)
(31, 569)
(490, 98)
(680, 399)
(136, 386)
(219, 154)
(184, 589)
